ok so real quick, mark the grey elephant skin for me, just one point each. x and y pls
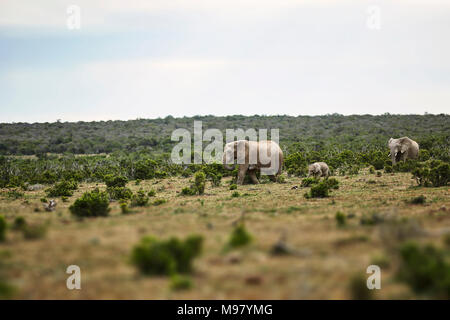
(247, 154)
(402, 149)
(318, 169)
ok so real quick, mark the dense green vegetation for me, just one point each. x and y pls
(140, 149)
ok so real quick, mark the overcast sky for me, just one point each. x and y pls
(152, 58)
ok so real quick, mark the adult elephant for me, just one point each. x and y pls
(251, 156)
(402, 149)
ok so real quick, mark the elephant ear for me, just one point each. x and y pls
(404, 145)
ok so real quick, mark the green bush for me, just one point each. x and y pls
(188, 191)
(34, 231)
(388, 169)
(199, 182)
(63, 188)
(358, 288)
(3, 226)
(115, 181)
(332, 183)
(341, 219)
(425, 269)
(124, 207)
(215, 179)
(239, 237)
(19, 223)
(235, 194)
(371, 169)
(91, 204)
(14, 194)
(418, 200)
(139, 199)
(151, 193)
(119, 193)
(233, 186)
(166, 257)
(306, 182)
(158, 202)
(433, 173)
(319, 190)
(178, 282)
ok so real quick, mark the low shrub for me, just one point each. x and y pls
(115, 181)
(3, 227)
(119, 193)
(425, 269)
(151, 193)
(158, 202)
(341, 219)
(124, 207)
(63, 188)
(388, 169)
(306, 182)
(233, 186)
(139, 199)
(34, 231)
(319, 190)
(432, 173)
(166, 257)
(199, 182)
(91, 204)
(371, 169)
(239, 237)
(235, 194)
(179, 282)
(418, 200)
(19, 223)
(332, 183)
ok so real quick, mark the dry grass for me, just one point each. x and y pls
(327, 256)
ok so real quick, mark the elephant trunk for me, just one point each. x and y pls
(226, 165)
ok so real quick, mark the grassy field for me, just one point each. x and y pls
(324, 260)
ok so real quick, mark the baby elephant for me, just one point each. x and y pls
(318, 169)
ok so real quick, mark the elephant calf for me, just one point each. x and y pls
(318, 169)
(265, 156)
(403, 149)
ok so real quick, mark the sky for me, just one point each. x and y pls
(153, 58)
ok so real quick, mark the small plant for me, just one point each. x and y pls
(388, 169)
(235, 194)
(281, 179)
(119, 193)
(3, 226)
(19, 223)
(332, 183)
(233, 186)
(166, 257)
(418, 200)
(179, 282)
(320, 190)
(425, 269)
(14, 194)
(379, 174)
(137, 182)
(115, 181)
(63, 188)
(239, 237)
(341, 219)
(124, 207)
(34, 231)
(306, 182)
(216, 178)
(199, 182)
(64, 199)
(158, 202)
(91, 204)
(371, 219)
(151, 193)
(358, 288)
(188, 191)
(44, 200)
(139, 199)
(371, 169)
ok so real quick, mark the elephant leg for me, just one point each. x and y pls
(252, 174)
(273, 178)
(241, 173)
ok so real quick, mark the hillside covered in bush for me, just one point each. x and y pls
(337, 132)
